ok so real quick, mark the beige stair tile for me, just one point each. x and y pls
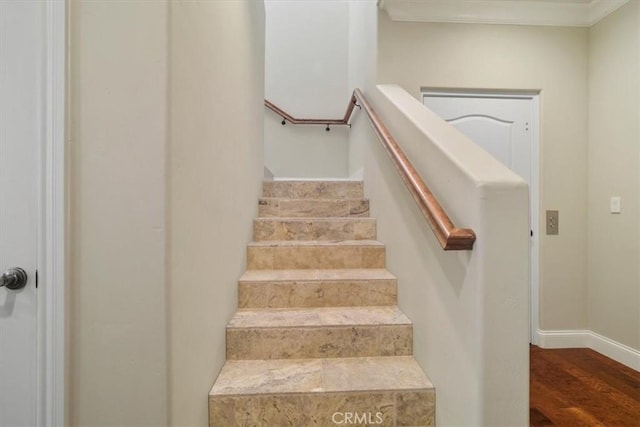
(395, 342)
(268, 207)
(388, 391)
(415, 408)
(313, 208)
(358, 207)
(317, 274)
(260, 258)
(325, 316)
(363, 230)
(354, 409)
(316, 288)
(318, 332)
(373, 373)
(258, 411)
(269, 376)
(313, 189)
(293, 255)
(287, 343)
(301, 410)
(373, 257)
(347, 228)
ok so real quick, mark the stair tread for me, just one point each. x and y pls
(331, 375)
(314, 228)
(257, 318)
(287, 243)
(313, 188)
(312, 199)
(313, 207)
(315, 219)
(312, 181)
(347, 274)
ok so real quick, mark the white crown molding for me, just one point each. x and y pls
(599, 9)
(572, 13)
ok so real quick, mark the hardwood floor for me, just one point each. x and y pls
(580, 387)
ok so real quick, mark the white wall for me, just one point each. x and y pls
(553, 60)
(307, 75)
(363, 51)
(215, 167)
(614, 170)
(117, 364)
(317, 53)
(469, 309)
(166, 161)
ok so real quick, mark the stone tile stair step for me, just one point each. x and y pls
(313, 189)
(296, 255)
(316, 288)
(318, 332)
(387, 391)
(298, 208)
(347, 228)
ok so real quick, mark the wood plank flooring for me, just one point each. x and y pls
(580, 387)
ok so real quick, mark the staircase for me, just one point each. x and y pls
(318, 339)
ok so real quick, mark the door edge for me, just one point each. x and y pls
(51, 318)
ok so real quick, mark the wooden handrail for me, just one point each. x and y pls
(449, 236)
(288, 117)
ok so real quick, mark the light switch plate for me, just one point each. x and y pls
(615, 205)
(553, 224)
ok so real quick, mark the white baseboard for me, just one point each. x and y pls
(588, 339)
(563, 339)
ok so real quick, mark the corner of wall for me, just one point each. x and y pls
(216, 167)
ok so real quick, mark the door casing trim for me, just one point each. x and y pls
(51, 294)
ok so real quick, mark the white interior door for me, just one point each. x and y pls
(506, 127)
(21, 100)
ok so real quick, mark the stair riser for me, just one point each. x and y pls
(317, 294)
(312, 342)
(314, 257)
(298, 208)
(386, 409)
(276, 229)
(313, 190)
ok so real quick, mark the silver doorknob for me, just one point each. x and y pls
(14, 278)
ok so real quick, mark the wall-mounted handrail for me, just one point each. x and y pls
(286, 117)
(449, 236)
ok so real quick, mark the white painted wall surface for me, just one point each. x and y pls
(165, 133)
(117, 364)
(307, 75)
(551, 59)
(215, 168)
(469, 309)
(614, 170)
(363, 51)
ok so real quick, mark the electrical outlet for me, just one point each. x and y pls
(553, 224)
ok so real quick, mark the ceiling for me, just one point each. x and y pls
(573, 13)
